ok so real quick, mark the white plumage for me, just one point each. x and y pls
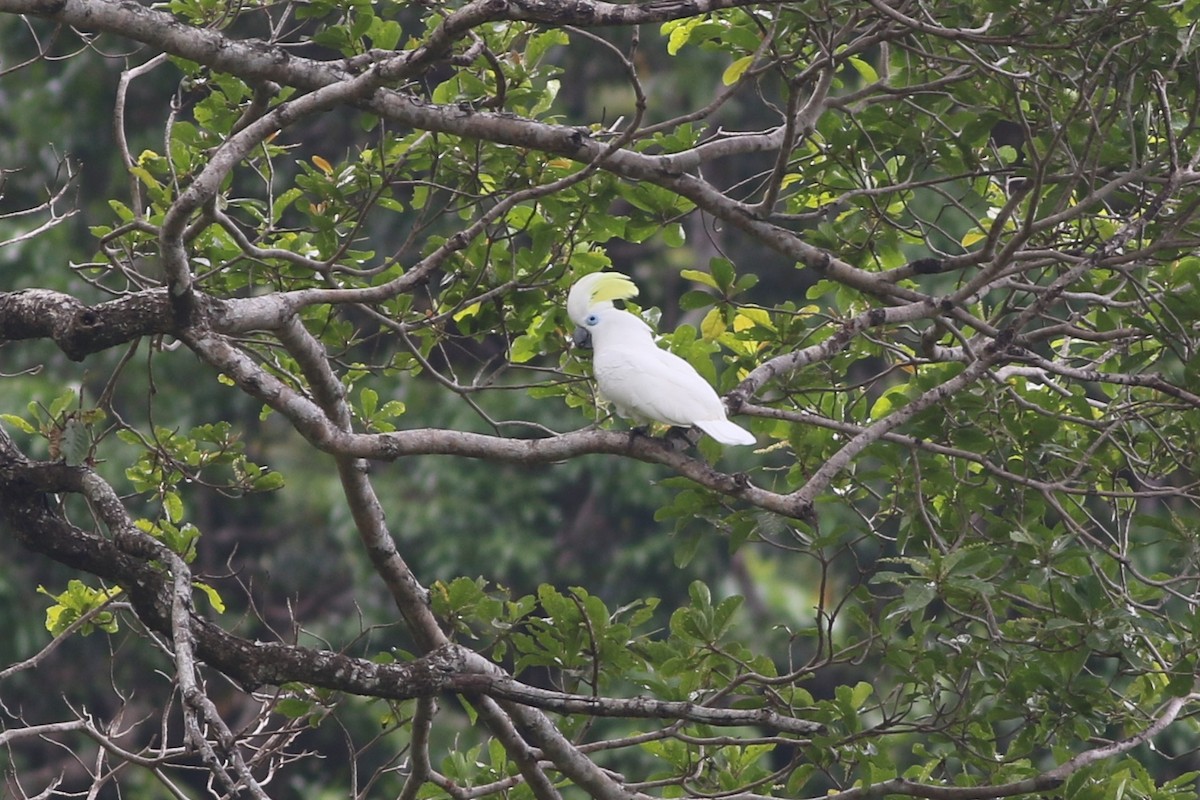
(643, 381)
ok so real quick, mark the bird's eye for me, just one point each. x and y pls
(592, 319)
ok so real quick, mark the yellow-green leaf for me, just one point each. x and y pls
(214, 599)
(863, 68)
(469, 311)
(972, 236)
(747, 318)
(143, 174)
(859, 694)
(735, 70)
(699, 277)
(173, 505)
(678, 32)
(713, 324)
(18, 422)
(524, 347)
(888, 401)
(789, 179)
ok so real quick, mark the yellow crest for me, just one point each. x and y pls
(599, 288)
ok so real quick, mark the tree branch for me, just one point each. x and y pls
(504, 687)
(79, 329)
(254, 61)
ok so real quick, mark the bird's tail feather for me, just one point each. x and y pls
(726, 432)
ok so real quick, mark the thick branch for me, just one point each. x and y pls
(79, 329)
(410, 596)
(584, 14)
(255, 61)
(25, 506)
(312, 423)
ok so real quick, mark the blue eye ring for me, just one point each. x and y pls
(592, 319)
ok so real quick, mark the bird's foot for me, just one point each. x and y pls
(680, 439)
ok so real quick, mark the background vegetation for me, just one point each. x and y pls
(304, 494)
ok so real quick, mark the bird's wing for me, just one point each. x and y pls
(655, 384)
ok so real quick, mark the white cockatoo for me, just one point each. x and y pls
(643, 381)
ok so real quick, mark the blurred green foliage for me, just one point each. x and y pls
(1009, 584)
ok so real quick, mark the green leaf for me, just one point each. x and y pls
(723, 273)
(268, 482)
(368, 401)
(694, 299)
(385, 33)
(540, 43)
(78, 601)
(686, 545)
(62, 402)
(173, 506)
(916, 597)
(674, 235)
(293, 707)
(724, 612)
(858, 696)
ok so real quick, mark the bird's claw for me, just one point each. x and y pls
(679, 439)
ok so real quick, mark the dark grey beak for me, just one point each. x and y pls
(581, 337)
